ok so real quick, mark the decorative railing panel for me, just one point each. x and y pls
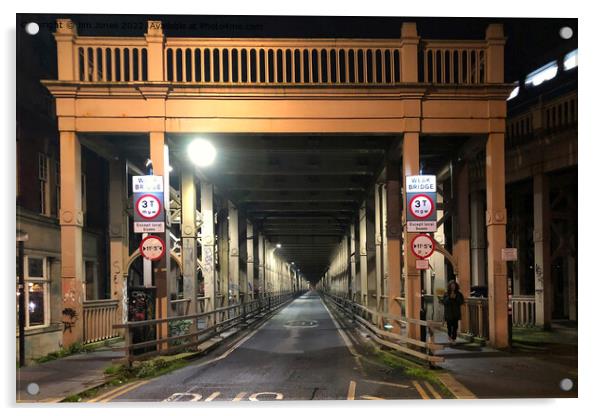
(523, 310)
(99, 318)
(452, 62)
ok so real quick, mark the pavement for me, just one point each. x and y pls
(302, 353)
(55, 380)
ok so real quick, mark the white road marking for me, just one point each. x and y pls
(212, 396)
(253, 397)
(351, 390)
(239, 396)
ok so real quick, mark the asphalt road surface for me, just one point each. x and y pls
(300, 353)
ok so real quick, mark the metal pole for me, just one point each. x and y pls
(21, 304)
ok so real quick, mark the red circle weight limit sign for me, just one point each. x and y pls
(421, 206)
(423, 246)
(148, 206)
(152, 248)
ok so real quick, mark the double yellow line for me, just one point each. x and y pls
(110, 395)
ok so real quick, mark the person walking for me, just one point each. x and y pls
(452, 302)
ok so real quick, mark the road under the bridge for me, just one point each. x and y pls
(300, 353)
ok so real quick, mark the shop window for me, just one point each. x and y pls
(43, 161)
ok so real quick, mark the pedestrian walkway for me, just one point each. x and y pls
(540, 364)
(55, 380)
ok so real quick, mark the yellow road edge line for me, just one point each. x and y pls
(455, 387)
(430, 388)
(239, 396)
(122, 392)
(108, 393)
(368, 397)
(351, 391)
(420, 390)
(212, 396)
(386, 383)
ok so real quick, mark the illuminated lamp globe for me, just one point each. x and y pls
(201, 152)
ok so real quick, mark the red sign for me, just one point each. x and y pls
(152, 248)
(148, 206)
(421, 206)
(423, 246)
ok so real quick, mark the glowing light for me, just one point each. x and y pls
(201, 152)
(278, 245)
(543, 74)
(32, 307)
(566, 32)
(514, 93)
(570, 60)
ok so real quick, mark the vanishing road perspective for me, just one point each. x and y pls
(319, 209)
(300, 353)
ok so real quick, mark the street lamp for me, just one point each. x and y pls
(201, 152)
(278, 245)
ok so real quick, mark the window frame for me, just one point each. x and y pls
(45, 282)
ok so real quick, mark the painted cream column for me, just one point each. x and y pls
(352, 250)
(461, 233)
(363, 255)
(478, 240)
(189, 237)
(71, 222)
(155, 50)
(378, 242)
(413, 287)
(261, 264)
(233, 257)
(393, 226)
(65, 35)
(250, 261)
(383, 233)
(495, 179)
(541, 241)
(208, 247)
(162, 267)
(118, 235)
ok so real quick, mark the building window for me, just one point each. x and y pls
(570, 60)
(543, 74)
(57, 175)
(43, 162)
(36, 292)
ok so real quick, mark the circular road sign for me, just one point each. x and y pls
(423, 246)
(148, 206)
(421, 206)
(152, 248)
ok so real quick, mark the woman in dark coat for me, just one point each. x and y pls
(452, 302)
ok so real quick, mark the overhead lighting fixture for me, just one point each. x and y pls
(201, 152)
(278, 245)
(514, 93)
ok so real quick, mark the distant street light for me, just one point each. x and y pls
(201, 152)
(278, 245)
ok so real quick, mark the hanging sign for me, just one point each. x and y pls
(422, 264)
(421, 197)
(152, 248)
(149, 212)
(509, 254)
(423, 246)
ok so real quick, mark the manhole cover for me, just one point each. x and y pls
(301, 324)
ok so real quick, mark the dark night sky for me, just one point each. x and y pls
(531, 41)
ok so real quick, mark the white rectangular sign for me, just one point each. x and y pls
(149, 227)
(148, 183)
(422, 226)
(422, 264)
(421, 183)
(509, 254)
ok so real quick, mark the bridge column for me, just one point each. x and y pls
(461, 232)
(118, 250)
(393, 243)
(496, 239)
(413, 286)
(162, 267)
(351, 260)
(478, 242)
(233, 254)
(71, 221)
(250, 261)
(363, 249)
(541, 240)
(261, 264)
(189, 237)
(208, 247)
(378, 242)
